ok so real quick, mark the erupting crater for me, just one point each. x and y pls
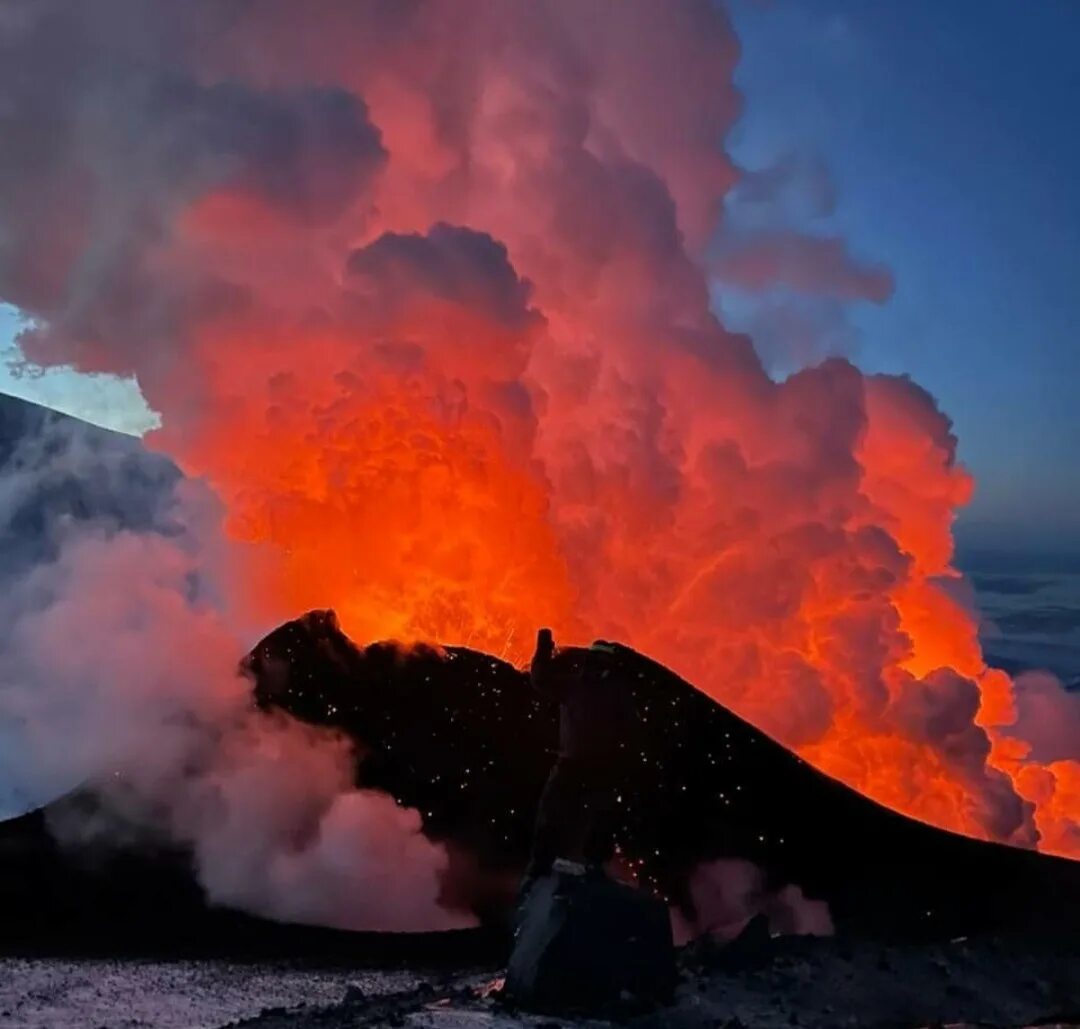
(463, 738)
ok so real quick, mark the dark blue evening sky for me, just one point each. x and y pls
(952, 132)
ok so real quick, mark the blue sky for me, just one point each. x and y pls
(950, 129)
(952, 132)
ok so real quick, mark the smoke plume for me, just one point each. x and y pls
(419, 291)
(725, 895)
(118, 672)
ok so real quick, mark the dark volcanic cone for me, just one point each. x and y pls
(461, 737)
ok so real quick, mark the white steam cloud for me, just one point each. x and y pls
(119, 674)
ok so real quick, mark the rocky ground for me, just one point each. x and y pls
(54, 993)
(816, 983)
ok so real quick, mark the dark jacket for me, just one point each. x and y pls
(596, 705)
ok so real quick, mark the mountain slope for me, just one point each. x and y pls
(55, 469)
(461, 737)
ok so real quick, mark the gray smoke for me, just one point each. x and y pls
(118, 674)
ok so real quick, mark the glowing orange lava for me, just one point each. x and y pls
(387, 491)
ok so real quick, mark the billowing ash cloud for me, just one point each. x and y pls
(781, 274)
(418, 290)
(806, 264)
(118, 671)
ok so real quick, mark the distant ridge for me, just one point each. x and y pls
(56, 468)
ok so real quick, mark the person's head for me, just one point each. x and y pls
(545, 642)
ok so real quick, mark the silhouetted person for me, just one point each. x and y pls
(578, 808)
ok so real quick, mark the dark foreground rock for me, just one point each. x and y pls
(590, 944)
(814, 983)
(820, 984)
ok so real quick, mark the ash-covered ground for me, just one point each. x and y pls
(57, 993)
(801, 981)
(812, 982)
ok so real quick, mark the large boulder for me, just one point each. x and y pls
(587, 943)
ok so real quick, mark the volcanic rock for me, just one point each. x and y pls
(462, 738)
(587, 943)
